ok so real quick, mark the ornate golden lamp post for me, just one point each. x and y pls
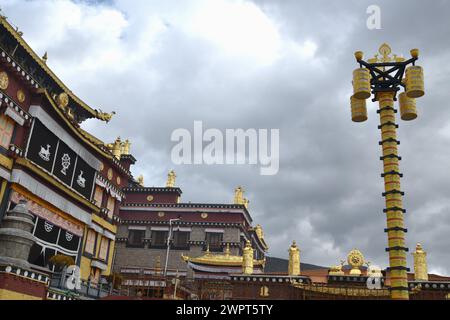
(382, 76)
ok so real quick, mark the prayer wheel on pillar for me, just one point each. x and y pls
(361, 83)
(408, 109)
(415, 82)
(359, 109)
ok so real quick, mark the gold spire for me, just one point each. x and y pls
(116, 148)
(420, 264)
(247, 259)
(125, 147)
(140, 180)
(171, 176)
(239, 197)
(294, 260)
(227, 250)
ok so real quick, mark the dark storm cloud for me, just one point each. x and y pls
(149, 62)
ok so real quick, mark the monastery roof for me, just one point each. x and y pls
(41, 65)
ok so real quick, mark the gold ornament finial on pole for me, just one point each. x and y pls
(359, 55)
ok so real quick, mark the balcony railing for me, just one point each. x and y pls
(87, 289)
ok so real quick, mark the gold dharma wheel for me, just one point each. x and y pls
(355, 259)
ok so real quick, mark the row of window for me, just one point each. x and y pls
(99, 195)
(180, 239)
(91, 244)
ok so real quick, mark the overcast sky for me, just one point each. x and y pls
(266, 65)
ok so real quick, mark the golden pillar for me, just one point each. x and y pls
(294, 260)
(393, 196)
(420, 264)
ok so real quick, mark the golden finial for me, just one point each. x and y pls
(294, 260)
(414, 53)
(140, 180)
(20, 33)
(239, 197)
(117, 148)
(45, 57)
(125, 147)
(420, 263)
(207, 250)
(171, 176)
(385, 51)
(359, 55)
(227, 250)
(247, 258)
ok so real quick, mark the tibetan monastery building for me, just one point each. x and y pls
(60, 187)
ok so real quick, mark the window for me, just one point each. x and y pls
(104, 248)
(98, 196)
(95, 276)
(136, 238)
(214, 240)
(159, 239)
(90, 242)
(180, 240)
(6, 131)
(110, 206)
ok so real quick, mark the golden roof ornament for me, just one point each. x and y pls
(239, 197)
(356, 260)
(247, 258)
(104, 116)
(45, 57)
(140, 180)
(294, 260)
(171, 176)
(116, 148)
(62, 100)
(227, 250)
(4, 80)
(125, 147)
(225, 259)
(420, 264)
(259, 232)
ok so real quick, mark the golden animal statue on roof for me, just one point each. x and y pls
(104, 116)
(239, 197)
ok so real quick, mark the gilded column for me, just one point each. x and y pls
(420, 264)
(393, 196)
